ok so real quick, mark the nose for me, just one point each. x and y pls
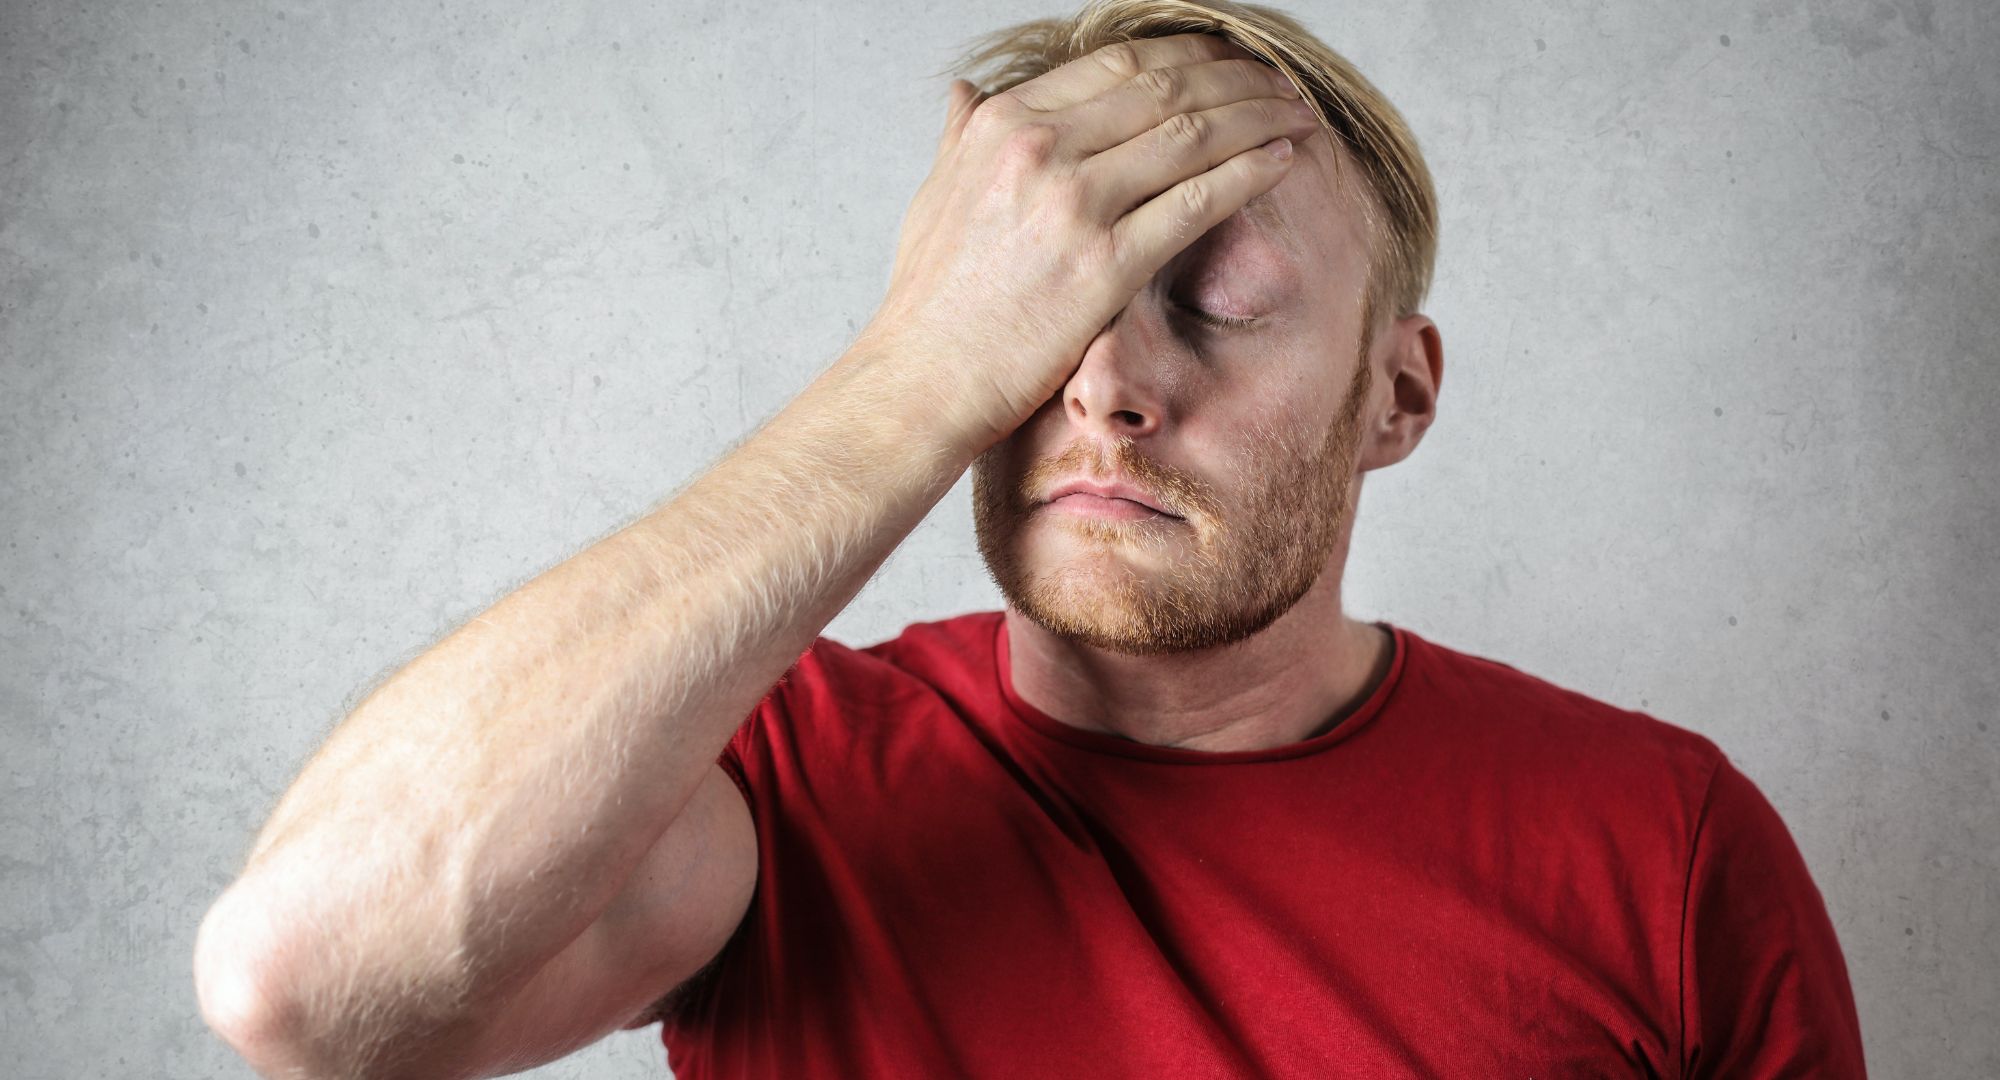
(1116, 390)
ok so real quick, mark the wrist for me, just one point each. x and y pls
(925, 397)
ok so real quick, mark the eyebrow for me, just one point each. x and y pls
(1264, 210)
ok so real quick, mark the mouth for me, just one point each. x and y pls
(1084, 503)
(1120, 502)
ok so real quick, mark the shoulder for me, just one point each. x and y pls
(1542, 729)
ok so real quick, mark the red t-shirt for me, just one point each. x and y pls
(1475, 874)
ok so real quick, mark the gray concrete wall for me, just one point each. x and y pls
(322, 326)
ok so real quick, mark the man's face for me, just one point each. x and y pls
(1249, 436)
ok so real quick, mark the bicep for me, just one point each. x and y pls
(684, 900)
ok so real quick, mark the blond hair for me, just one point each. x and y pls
(1402, 207)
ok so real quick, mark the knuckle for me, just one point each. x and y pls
(1164, 85)
(1187, 130)
(1031, 145)
(1194, 201)
(1120, 58)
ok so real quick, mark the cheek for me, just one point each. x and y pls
(1266, 454)
(1011, 456)
(993, 484)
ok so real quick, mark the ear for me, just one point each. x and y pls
(1413, 353)
(964, 97)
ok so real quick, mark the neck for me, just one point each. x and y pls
(1290, 681)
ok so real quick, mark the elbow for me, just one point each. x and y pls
(255, 985)
(241, 998)
(233, 1007)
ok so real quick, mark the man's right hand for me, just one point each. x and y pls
(1051, 205)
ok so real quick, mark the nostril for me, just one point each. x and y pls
(1129, 416)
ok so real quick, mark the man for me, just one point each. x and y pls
(1170, 813)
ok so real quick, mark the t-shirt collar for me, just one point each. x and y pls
(1046, 726)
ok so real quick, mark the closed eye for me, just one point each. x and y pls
(1209, 318)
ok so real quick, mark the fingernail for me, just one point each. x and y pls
(1280, 148)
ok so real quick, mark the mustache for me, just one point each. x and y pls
(1172, 489)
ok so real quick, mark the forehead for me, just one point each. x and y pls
(1315, 215)
(1319, 213)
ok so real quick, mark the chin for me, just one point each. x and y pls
(1049, 537)
(1103, 611)
(1120, 599)
(1084, 565)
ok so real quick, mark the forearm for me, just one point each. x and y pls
(482, 807)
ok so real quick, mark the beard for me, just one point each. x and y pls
(1243, 555)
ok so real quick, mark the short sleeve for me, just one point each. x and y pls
(1764, 987)
(750, 742)
(743, 742)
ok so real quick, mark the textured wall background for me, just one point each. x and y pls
(323, 326)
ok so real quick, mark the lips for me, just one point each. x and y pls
(1112, 490)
